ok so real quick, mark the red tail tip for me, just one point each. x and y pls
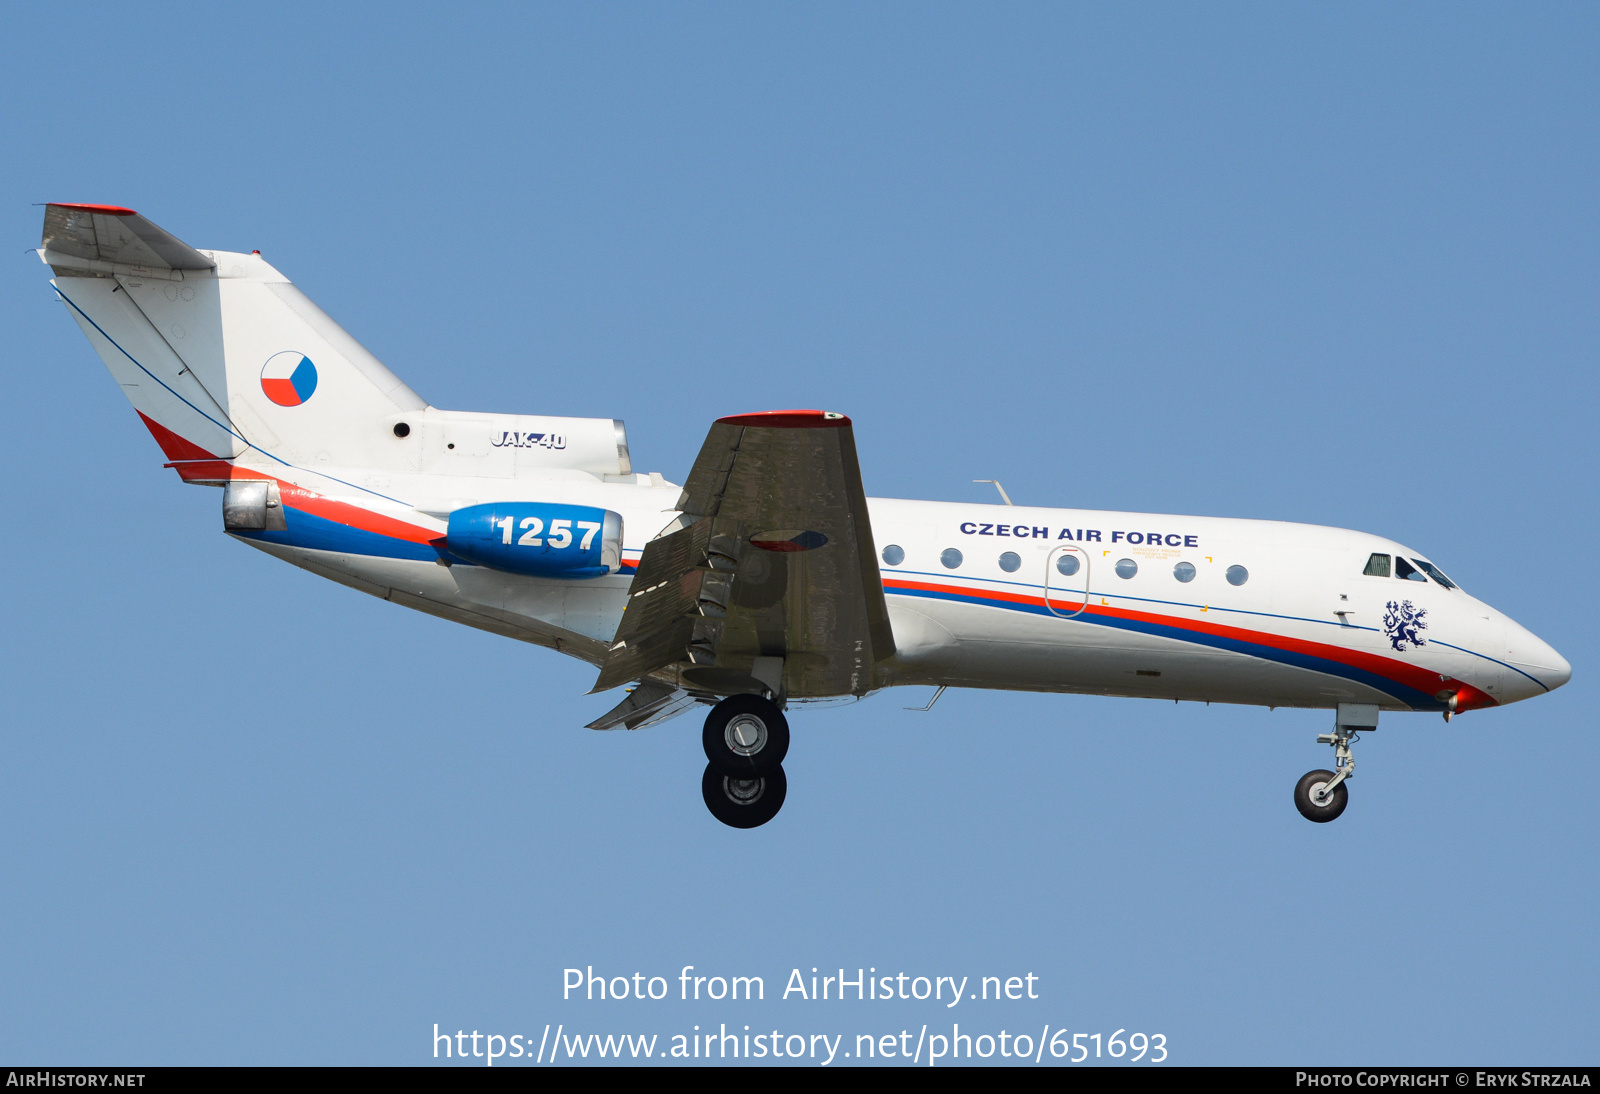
(788, 419)
(108, 210)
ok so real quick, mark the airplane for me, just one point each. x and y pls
(768, 580)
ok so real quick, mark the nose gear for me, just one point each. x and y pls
(1321, 795)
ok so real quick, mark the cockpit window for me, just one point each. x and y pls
(1434, 572)
(1377, 566)
(1404, 569)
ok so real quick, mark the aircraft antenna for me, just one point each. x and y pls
(1000, 488)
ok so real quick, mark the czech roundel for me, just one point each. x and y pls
(788, 539)
(289, 378)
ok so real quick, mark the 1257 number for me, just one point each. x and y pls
(560, 532)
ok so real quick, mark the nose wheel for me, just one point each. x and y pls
(1316, 801)
(1321, 795)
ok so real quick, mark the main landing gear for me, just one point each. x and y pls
(1321, 795)
(746, 738)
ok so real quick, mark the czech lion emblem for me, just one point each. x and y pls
(1401, 622)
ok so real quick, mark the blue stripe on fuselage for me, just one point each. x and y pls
(1413, 698)
(321, 534)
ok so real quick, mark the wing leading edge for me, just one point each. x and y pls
(769, 581)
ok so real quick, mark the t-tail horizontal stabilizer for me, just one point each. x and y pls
(108, 239)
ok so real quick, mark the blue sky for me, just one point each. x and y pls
(1329, 264)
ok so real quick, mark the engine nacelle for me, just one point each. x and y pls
(538, 538)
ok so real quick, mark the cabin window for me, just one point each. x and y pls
(1067, 564)
(1126, 568)
(894, 554)
(1434, 572)
(1404, 569)
(1377, 566)
(1011, 562)
(1184, 571)
(951, 558)
(1237, 575)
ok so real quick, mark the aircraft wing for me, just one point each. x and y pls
(770, 579)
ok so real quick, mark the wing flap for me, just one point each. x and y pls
(627, 661)
(669, 556)
(649, 704)
(776, 563)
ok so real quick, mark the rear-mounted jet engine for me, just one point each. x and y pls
(537, 538)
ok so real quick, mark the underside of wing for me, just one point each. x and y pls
(769, 582)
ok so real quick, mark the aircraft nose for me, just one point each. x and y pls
(1557, 670)
(1538, 657)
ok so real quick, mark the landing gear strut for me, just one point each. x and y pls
(746, 738)
(1322, 795)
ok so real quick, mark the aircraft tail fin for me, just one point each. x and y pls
(220, 350)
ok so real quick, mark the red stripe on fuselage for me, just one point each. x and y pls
(1412, 676)
(195, 464)
(343, 512)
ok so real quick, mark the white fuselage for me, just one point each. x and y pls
(239, 376)
(1305, 627)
